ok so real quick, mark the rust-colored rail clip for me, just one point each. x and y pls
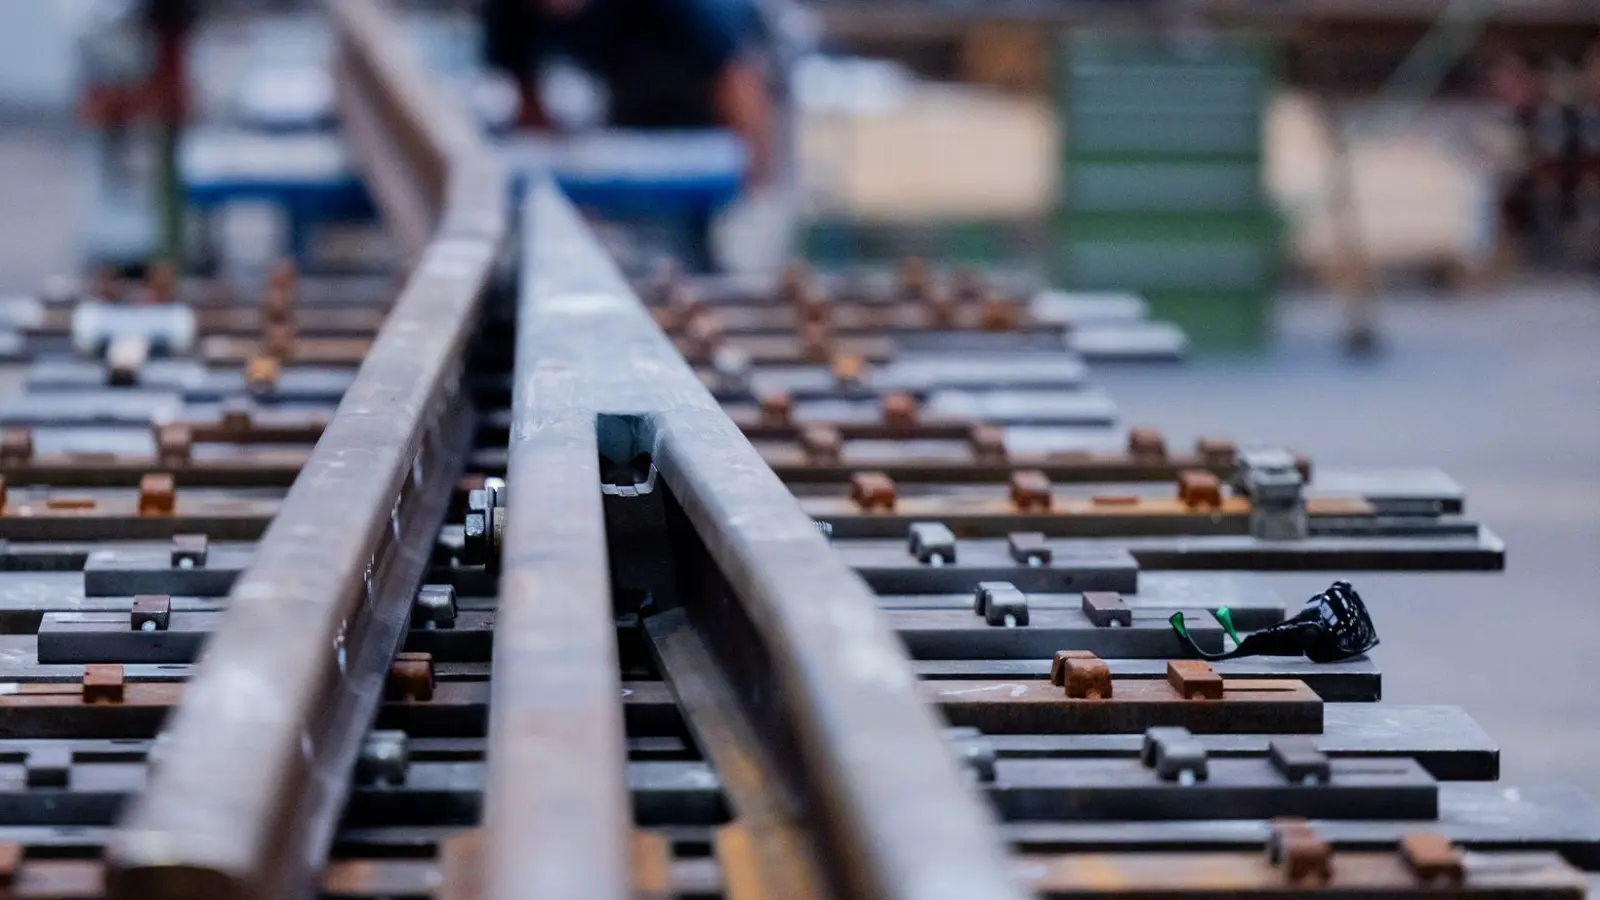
(872, 490)
(812, 306)
(822, 444)
(1432, 858)
(1199, 488)
(815, 340)
(847, 369)
(941, 307)
(261, 375)
(1030, 491)
(1194, 679)
(1305, 858)
(794, 276)
(705, 333)
(1216, 452)
(900, 410)
(158, 495)
(102, 683)
(988, 444)
(277, 339)
(777, 410)
(410, 677)
(1147, 443)
(999, 314)
(915, 278)
(162, 281)
(236, 422)
(174, 443)
(1084, 675)
(16, 445)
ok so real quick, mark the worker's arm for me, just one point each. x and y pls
(744, 107)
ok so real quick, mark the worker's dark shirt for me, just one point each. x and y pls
(658, 58)
(171, 15)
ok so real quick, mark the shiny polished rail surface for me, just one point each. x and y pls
(257, 759)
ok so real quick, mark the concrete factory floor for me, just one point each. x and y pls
(1500, 389)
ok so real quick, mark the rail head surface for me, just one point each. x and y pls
(222, 815)
(903, 823)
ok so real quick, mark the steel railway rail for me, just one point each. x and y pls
(637, 667)
(260, 754)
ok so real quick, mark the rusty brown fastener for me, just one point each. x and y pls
(969, 285)
(1084, 675)
(685, 300)
(277, 339)
(915, 278)
(900, 410)
(162, 281)
(174, 443)
(998, 314)
(16, 445)
(1304, 857)
(261, 375)
(2, 494)
(1197, 487)
(815, 339)
(941, 306)
(872, 490)
(794, 276)
(847, 369)
(777, 410)
(410, 677)
(1147, 443)
(236, 422)
(102, 683)
(158, 495)
(988, 443)
(1030, 490)
(1194, 679)
(283, 275)
(705, 333)
(1215, 451)
(107, 284)
(1432, 858)
(822, 444)
(812, 306)
(10, 862)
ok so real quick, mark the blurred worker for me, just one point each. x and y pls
(667, 64)
(1513, 84)
(170, 23)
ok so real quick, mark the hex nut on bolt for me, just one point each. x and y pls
(385, 757)
(435, 607)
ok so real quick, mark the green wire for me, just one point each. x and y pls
(1226, 618)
